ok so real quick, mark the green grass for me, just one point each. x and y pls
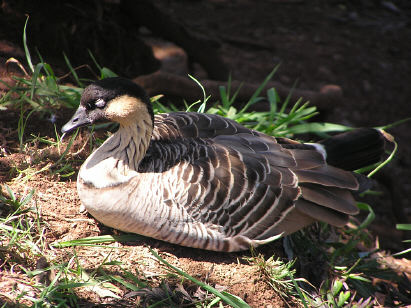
(278, 274)
(137, 285)
(405, 227)
(350, 270)
(40, 93)
(21, 227)
(282, 120)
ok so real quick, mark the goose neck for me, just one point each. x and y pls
(134, 141)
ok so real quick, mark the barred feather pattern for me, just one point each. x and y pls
(208, 182)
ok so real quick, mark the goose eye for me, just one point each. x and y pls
(90, 106)
(100, 103)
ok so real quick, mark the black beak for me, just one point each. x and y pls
(79, 119)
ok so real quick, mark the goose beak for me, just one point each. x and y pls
(79, 119)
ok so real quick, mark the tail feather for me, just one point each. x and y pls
(354, 149)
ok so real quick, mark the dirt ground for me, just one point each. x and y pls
(363, 47)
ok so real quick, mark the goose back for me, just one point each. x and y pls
(209, 182)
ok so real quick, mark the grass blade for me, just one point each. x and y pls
(406, 227)
(93, 240)
(370, 216)
(26, 49)
(34, 79)
(287, 99)
(385, 162)
(73, 71)
(396, 123)
(253, 98)
(67, 148)
(202, 107)
(232, 300)
(316, 127)
(300, 294)
(272, 99)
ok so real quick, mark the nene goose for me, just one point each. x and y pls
(204, 181)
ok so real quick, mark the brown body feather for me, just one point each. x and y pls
(242, 182)
(205, 181)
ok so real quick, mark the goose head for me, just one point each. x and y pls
(112, 100)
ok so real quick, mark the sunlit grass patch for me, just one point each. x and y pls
(162, 295)
(22, 231)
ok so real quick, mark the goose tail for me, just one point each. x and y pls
(355, 149)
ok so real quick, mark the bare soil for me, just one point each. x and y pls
(363, 47)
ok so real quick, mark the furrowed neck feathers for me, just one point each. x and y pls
(118, 158)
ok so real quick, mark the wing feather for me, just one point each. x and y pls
(239, 183)
(334, 198)
(328, 176)
(320, 213)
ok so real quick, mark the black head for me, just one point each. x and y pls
(110, 99)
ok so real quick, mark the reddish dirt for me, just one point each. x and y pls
(361, 46)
